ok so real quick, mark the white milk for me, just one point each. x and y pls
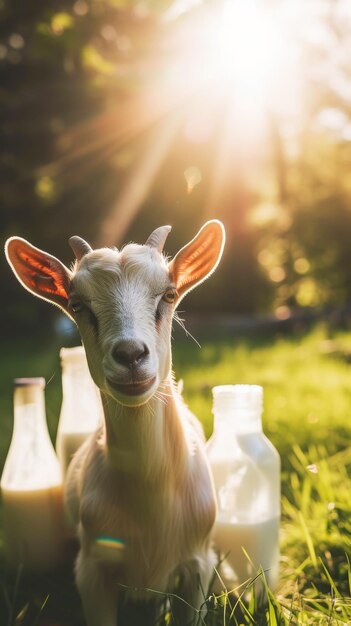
(34, 527)
(261, 542)
(67, 444)
(31, 485)
(246, 473)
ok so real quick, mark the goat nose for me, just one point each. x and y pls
(130, 353)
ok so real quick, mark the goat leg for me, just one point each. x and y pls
(188, 604)
(99, 598)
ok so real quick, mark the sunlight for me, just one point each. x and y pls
(252, 55)
(218, 75)
(240, 50)
(240, 54)
(249, 51)
(221, 75)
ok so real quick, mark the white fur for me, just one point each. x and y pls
(144, 479)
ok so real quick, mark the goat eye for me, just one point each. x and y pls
(169, 296)
(76, 306)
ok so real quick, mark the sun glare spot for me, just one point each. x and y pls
(45, 188)
(265, 257)
(283, 312)
(249, 49)
(16, 41)
(301, 265)
(277, 274)
(80, 8)
(193, 177)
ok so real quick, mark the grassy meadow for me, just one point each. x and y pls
(307, 385)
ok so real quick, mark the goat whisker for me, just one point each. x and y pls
(159, 397)
(180, 321)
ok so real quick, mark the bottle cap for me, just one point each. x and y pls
(73, 355)
(29, 382)
(26, 390)
(241, 401)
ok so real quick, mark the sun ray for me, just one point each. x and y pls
(217, 68)
(139, 182)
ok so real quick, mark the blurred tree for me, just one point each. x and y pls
(305, 239)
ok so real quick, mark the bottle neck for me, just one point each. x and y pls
(29, 411)
(239, 421)
(81, 406)
(28, 395)
(71, 375)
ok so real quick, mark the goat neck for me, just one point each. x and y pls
(141, 441)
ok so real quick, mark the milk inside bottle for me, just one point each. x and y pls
(31, 485)
(246, 472)
(81, 410)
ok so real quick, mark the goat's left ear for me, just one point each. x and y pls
(199, 258)
(39, 272)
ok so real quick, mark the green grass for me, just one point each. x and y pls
(307, 415)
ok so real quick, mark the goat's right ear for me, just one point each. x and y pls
(39, 272)
(198, 259)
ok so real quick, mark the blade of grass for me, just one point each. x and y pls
(309, 541)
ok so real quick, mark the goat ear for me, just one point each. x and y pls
(39, 272)
(199, 258)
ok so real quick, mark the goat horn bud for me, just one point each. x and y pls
(158, 237)
(79, 247)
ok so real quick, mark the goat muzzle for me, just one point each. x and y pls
(133, 388)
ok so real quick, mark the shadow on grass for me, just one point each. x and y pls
(49, 599)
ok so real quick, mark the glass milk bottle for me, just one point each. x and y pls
(31, 485)
(81, 410)
(246, 472)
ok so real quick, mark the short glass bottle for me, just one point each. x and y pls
(31, 485)
(246, 472)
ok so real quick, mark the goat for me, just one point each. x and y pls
(142, 483)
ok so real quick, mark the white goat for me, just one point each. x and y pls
(142, 480)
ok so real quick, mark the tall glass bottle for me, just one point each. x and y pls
(246, 472)
(31, 485)
(81, 410)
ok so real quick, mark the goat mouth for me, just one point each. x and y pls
(132, 389)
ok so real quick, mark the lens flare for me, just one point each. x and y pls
(109, 549)
(193, 177)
